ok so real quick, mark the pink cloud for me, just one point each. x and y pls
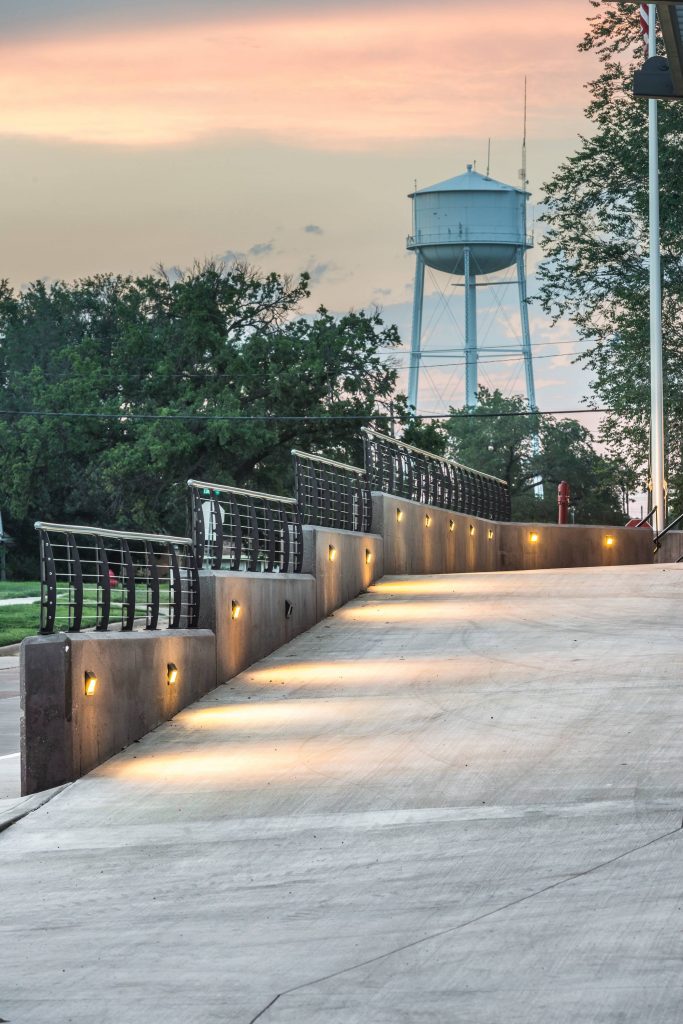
(341, 80)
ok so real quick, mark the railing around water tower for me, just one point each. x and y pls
(465, 238)
(244, 531)
(394, 467)
(332, 494)
(94, 579)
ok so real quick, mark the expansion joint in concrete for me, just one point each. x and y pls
(465, 924)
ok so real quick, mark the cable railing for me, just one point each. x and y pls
(331, 493)
(394, 467)
(245, 531)
(94, 579)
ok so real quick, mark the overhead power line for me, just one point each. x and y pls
(261, 417)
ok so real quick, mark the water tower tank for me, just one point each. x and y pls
(471, 212)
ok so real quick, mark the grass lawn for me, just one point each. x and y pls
(20, 620)
(11, 589)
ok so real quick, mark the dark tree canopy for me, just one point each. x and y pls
(220, 341)
(596, 269)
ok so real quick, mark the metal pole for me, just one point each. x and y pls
(470, 333)
(656, 361)
(416, 338)
(526, 333)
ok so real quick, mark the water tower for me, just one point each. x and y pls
(469, 226)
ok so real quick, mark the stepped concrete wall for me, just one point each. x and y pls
(65, 733)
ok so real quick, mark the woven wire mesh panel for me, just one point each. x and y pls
(407, 472)
(332, 494)
(245, 531)
(98, 580)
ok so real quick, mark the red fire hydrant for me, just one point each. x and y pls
(563, 499)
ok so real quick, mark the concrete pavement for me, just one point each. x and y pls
(9, 730)
(459, 799)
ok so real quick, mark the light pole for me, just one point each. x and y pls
(656, 360)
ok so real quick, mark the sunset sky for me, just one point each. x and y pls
(139, 132)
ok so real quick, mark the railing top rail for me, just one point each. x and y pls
(94, 531)
(430, 455)
(229, 489)
(329, 462)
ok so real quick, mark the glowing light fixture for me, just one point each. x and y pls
(289, 609)
(609, 541)
(451, 525)
(399, 515)
(471, 530)
(90, 684)
(428, 520)
(490, 534)
(332, 553)
(171, 673)
(235, 610)
(533, 537)
(368, 556)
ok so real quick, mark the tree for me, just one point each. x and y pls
(222, 346)
(524, 450)
(596, 246)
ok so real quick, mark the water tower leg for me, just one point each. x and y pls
(526, 333)
(528, 358)
(471, 356)
(416, 339)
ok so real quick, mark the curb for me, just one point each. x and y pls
(25, 804)
(10, 651)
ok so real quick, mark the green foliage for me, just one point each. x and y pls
(428, 436)
(218, 342)
(596, 269)
(524, 450)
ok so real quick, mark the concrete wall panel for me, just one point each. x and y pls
(452, 542)
(264, 599)
(66, 733)
(672, 546)
(358, 562)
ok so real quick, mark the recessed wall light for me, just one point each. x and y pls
(331, 553)
(90, 684)
(399, 515)
(451, 525)
(171, 673)
(235, 610)
(533, 537)
(368, 556)
(289, 609)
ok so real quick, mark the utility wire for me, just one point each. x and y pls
(261, 417)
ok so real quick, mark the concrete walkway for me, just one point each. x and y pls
(458, 800)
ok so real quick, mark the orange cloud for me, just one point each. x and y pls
(343, 80)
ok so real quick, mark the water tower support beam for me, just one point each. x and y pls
(471, 357)
(526, 333)
(416, 338)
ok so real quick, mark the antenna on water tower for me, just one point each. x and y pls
(488, 162)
